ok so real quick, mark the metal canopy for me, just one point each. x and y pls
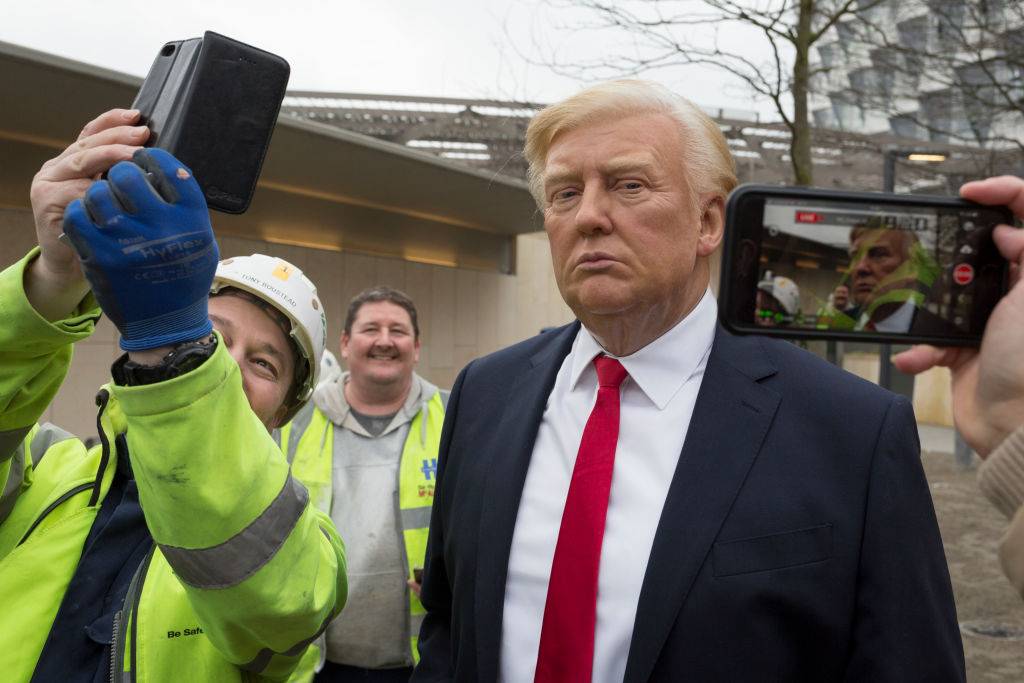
(320, 186)
(489, 135)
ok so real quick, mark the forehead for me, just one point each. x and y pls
(244, 320)
(878, 237)
(636, 140)
(382, 313)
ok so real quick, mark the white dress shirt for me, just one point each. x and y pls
(656, 404)
(900, 320)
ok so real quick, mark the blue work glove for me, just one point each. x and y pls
(147, 249)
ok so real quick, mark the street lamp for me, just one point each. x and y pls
(891, 155)
(889, 185)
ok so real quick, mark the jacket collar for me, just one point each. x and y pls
(731, 418)
(329, 397)
(527, 397)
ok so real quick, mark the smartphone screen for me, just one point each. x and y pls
(812, 263)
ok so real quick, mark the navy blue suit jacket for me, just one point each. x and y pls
(797, 543)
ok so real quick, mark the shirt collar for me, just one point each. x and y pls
(662, 367)
(900, 320)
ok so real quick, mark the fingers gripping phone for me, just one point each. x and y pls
(817, 264)
(213, 102)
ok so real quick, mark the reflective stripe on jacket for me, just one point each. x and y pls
(308, 441)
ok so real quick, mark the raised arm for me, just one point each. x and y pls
(262, 568)
(44, 302)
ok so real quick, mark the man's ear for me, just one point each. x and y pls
(344, 345)
(712, 224)
(278, 420)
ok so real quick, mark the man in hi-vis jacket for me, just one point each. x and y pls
(180, 547)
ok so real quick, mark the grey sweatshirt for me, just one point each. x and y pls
(373, 630)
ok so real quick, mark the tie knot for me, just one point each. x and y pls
(610, 372)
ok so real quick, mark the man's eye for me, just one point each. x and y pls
(266, 365)
(631, 185)
(563, 195)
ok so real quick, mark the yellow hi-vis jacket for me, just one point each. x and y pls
(245, 572)
(308, 441)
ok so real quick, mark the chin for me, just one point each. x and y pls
(387, 376)
(602, 300)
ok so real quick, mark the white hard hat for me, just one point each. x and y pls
(286, 289)
(784, 290)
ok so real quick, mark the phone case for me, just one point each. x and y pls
(213, 102)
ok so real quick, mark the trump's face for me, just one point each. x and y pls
(624, 233)
(874, 256)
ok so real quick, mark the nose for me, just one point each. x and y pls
(592, 215)
(861, 267)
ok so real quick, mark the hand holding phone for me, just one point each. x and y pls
(155, 289)
(988, 384)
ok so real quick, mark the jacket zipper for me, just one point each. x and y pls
(53, 506)
(131, 606)
(101, 400)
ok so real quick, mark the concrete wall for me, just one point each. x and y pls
(463, 313)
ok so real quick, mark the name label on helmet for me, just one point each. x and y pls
(263, 285)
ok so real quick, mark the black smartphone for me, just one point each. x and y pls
(862, 266)
(213, 102)
(417, 574)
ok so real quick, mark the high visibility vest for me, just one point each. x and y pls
(308, 442)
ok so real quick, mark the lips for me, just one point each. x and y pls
(592, 260)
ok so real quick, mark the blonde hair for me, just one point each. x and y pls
(708, 165)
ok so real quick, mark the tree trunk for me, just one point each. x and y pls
(800, 147)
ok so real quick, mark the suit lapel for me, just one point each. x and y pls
(730, 419)
(515, 435)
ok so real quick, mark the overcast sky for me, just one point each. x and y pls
(441, 48)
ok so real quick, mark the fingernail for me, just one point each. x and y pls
(130, 114)
(138, 131)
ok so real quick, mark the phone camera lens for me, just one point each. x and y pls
(167, 51)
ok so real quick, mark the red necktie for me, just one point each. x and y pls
(570, 613)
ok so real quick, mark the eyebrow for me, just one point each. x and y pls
(615, 166)
(270, 350)
(221, 322)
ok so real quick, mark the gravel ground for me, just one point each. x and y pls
(971, 529)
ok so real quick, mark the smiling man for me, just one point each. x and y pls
(642, 496)
(368, 451)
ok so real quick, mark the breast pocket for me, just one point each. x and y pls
(774, 551)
